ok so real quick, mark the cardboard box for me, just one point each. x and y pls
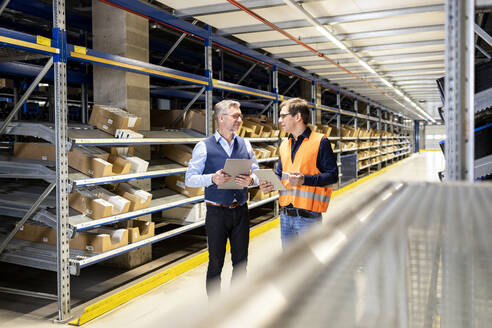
(140, 230)
(179, 153)
(325, 129)
(345, 131)
(195, 120)
(138, 198)
(266, 153)
(120, 151)
(189, 212)
(256, 128)
(164, 118)
(135, 164)
(177, 183)
(97, 202)
(109, 119)
(92, 161)
(313, 128)
(100, 240)
(259, 195)
(6, 83)
(273, 150)
(97, 240)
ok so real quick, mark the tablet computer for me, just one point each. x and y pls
(235, 167)
(270, 176)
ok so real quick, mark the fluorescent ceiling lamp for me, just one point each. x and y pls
(387, 83)
(330, 36)
(366, 66)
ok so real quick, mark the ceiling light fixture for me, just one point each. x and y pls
(330, 36)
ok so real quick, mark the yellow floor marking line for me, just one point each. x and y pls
(94, 310)
(111, 302)
(362, 180)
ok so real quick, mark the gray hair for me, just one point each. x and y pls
(223, 106)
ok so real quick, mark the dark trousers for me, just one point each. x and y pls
(221, 224)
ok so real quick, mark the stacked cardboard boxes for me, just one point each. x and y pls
(92, 161)
(97, 240)
(177, 183)
(188, 213)
(178, 153)
(97, 202)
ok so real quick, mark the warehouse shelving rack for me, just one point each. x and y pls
(67, 261)
(395, 122)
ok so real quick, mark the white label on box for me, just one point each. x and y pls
(44, 158)
(118, 202)
(143, 195)
(136, 235)
(102, 161)
(131, 121)
(21, 228)
(103, 202)
(105, 127)
(45, 239)
(180, 184)
(110, 121)
(117, 235)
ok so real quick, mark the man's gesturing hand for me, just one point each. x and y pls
(296, 179)
(220, 177)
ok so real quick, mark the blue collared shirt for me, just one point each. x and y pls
(195, 178)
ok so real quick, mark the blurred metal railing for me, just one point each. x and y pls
(410, 255)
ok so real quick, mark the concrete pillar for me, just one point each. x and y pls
(120, 33)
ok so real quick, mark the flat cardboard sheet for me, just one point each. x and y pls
(270, 176)
(235, 167)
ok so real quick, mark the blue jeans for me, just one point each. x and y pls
(292, 226)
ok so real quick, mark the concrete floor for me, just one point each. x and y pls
(160, 305)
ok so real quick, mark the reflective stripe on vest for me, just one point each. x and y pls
(310, 198)
(306, 194)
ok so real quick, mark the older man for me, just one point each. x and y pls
(227, 210)
(306, 167)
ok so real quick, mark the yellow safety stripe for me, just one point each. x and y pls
(135, 67)
(42, 40)
(93, 311)
(29, 44)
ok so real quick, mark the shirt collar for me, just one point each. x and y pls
(305, 134)
(218, 137)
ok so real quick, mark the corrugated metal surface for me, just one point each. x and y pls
(402, 40)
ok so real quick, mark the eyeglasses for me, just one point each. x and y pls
(235, 116)
(282, 116)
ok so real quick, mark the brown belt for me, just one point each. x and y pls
(233, 205)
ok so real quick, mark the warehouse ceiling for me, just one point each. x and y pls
(402, 40)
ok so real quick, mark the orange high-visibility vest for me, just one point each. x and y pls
(310, 198)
